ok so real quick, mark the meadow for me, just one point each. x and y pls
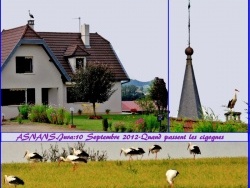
(199, 173)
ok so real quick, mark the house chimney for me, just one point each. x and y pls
(31, 23)
(85, 35)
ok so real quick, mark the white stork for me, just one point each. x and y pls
(170, 175)
(130, 151)
(154, 149)
(13, 180)
(33, 157)
(31, 16)
(73, 159)
(80, 153)
(193, 149)
(138, 151)
(232, 102)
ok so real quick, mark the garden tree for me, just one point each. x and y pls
(93, 84)
(146, 104)
(159, 94)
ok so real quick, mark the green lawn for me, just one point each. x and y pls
(84, 123)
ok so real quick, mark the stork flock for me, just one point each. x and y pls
(80, 156)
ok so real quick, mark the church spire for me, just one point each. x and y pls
(189, 23)
(190, 106)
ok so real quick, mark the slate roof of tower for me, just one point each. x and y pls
(190, 105)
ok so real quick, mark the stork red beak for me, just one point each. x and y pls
(59, 162)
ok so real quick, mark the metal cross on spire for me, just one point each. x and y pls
(189, 23)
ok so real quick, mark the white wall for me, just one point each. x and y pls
(114, 103)
(45, 75)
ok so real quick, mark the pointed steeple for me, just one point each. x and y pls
(190, 105)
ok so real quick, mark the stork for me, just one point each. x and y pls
(232, 102)
(138, 151)
(80, 153)
(193, 149)
(13, 180)
(33, 157)
(170, 175)
(73, 159)
(31, 16)
(154, 149)
(130, 151)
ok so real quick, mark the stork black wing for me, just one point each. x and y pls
(157, 147)
(196, 150)
(229, 103)
(36, 156)
(17, 181)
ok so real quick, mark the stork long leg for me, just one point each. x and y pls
(74, 167)
(141, 157)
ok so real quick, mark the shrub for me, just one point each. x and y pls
(105, 124)
(51, 115)
(129, 127)
(95, 117)
(110, 125)
(177, 127)
(38, 114)
(151, 123)
(119, 125)
(226, 128)
(24, 110)
(19, 119)
(133, 111)
(60, 116)
(66, 117)
(140, 125)
(204, 126)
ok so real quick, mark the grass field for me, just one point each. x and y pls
(199, 173)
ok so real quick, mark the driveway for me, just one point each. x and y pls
(35, 127)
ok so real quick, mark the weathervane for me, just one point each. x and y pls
(189, 23)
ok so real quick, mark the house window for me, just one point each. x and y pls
(18, 96)
(24, 65)
(79, 63)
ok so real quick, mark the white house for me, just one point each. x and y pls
(37, 67)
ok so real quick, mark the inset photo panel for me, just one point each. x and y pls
(125, 164)
(95, 66)
(208, 60)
